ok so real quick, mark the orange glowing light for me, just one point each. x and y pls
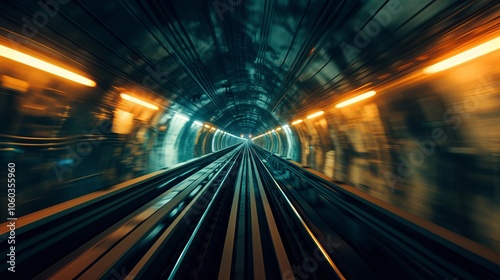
(356, 99)
(317, 114)
(465, 56)
(138, 101)
(44, 66)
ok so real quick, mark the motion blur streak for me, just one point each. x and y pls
(140, 102)
(317, 114)
(465, 56)
(356, 99)
(334, 102)
(44, 66)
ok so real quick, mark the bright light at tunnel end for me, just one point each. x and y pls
(44, 66)
(465, 56)
(356, 99)
(138, 101)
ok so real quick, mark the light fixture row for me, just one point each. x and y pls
(279, 128)
(177, 115)
(34, 62)
(463, 57)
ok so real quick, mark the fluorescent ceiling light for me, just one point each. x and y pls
(181, 117)
(138, 101)
(44, 66)
(317, 114)
(465, 56)
(356, 99)
(13, 83)
(296, 122)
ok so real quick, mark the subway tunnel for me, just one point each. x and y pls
(257, 139)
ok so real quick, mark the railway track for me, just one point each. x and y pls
(51, 235)
(248, 236)
(223, 220)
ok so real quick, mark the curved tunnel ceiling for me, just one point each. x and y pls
(246, 66)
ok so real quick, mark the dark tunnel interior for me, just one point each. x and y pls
(398, 101)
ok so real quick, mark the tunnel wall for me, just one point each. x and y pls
(427, 144)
